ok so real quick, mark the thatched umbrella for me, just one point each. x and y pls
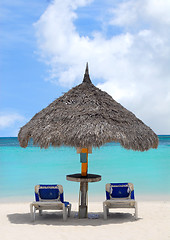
(86, 117)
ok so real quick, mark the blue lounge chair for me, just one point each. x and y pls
(49, 197)
(119, 195)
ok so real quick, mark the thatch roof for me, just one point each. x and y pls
(86, 116)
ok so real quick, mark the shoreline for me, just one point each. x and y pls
(91, 198)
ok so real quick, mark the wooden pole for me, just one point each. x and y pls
(83, 187)
(83, 202)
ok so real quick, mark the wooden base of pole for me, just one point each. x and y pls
(83, 208)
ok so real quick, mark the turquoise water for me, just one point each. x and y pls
(21, 169)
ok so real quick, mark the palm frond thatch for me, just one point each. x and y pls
(86, 116)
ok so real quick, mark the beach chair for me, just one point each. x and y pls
(49, 197)
(119, 195)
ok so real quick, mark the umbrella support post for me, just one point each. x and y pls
(83, 193)
(83, 200)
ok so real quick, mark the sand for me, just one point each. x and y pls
(153, 223)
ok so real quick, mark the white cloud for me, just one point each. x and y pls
(9, 119)
(126, 13)
(135, 12)
(158, 10)
(133, 66)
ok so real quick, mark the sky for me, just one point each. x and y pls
(45, 44)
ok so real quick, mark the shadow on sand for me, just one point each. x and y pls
(56, 219)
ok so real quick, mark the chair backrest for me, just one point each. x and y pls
(49, 193)
(119, 191)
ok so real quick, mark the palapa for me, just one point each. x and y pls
(86, 116)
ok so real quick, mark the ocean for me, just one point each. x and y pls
(21, 169)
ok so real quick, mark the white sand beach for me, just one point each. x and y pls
(153, 223)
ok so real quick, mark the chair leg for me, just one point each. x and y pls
(105, 211)
(64, 212)
(32, 212)
(69, 210)
(40, 212)
(136, 211)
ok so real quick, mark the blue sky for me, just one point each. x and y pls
(44, 47)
